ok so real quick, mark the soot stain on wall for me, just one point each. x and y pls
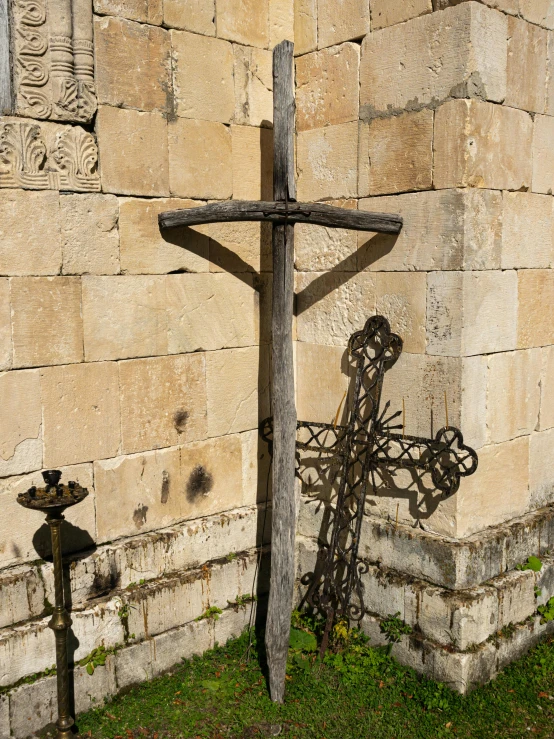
(200, 482)
(180, 419)
(165, 487)
(139, 516)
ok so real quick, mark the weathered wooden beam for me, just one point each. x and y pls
(6, 93)
(278, 212)
(283, 532)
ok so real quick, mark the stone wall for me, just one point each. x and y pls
(139, 363)
(442, 112)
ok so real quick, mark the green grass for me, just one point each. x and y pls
(356, 694)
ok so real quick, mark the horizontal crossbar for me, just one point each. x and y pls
(279, 212)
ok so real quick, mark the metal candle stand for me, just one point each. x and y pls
(53, 500)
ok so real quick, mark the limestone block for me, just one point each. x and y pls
(47, 326)
(327, 162)
(281, 21)
(469, 134)
(138, 493)
(474, 401)
(231, 624)
(527, 230)
(30, 232)
(541, 464)
(124, 317)
(132, 64)
(4, 717)
(211, 311)
(318, 249)
(20, 422)
(498, 491)
(389, 12)
(456, 620)
(540, 12)
(516, 597)
(133, 151)
(90, 238)
(200, 159)
(31, 709)
(471, 312)
(237, 386)
(238, 247)
(549, 104)
(244, 21)
(421, 382)
(535, 294)
(396, 154)
(543, 154)
(341, 20)
(146, 250)
(197, 16)
(546, 419)
(253, 85)
(526, 70)
(331, 306)
(252, 163)
(401, 298)
(456, 53)
(91, 691)
(5, 325)
(25, 538)
(443, 230)
(305, 26)
(506, 6)
(513, 396)
(163, 402)
(133, 665)
(323, 376)
(171, 647)
(143, 11)
(148, 491)
(22, 592)
(202, 77)
(80, 413)
(256, 478)
(327, 87)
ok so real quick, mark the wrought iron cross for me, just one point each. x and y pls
(362, 450)
(283, 213)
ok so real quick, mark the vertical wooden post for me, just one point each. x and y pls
(284, 409)
(6, 103)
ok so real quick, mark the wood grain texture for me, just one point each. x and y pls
(284, 409)
(318, 214)
(6, 99)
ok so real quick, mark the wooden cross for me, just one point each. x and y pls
(283, 212)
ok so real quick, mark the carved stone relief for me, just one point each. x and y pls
(53, 64)
(47, 156)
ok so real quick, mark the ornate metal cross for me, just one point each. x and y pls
(362, 450)
(283, 213)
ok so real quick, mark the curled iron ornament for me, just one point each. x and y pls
(366, 445)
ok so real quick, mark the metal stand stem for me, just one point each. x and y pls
(60, 623)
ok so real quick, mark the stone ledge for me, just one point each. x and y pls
(25, 590)
(133, 616)
(461, 671)
(455, 564)
(31, 707)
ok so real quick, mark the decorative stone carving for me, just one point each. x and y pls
(53, 64)
(47, 156)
